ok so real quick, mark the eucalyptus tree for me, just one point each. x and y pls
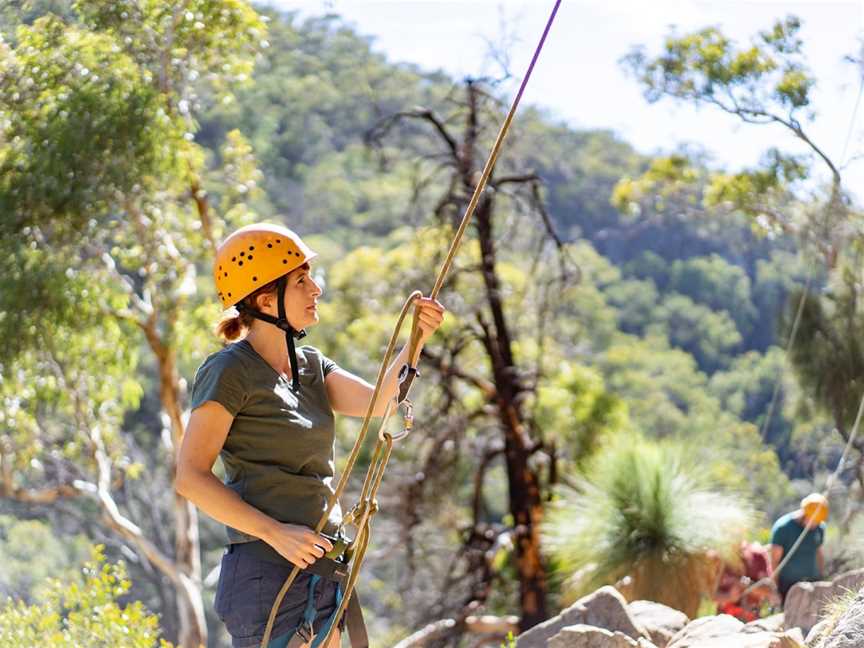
(105, 217)
(802, 197)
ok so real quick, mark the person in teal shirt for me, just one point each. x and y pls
(807, 562)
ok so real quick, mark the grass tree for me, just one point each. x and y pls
(640, 511)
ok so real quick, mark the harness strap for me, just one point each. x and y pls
(325, 568)
(282, 323)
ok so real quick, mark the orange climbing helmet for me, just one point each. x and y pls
(252, 257)
(815, 508)
(255, 255)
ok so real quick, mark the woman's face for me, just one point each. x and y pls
(301, 299)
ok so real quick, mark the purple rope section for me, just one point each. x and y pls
(481, 185)
(536, 53)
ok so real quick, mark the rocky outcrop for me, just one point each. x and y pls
(845, 632)
(661, 622)
(724, 631)
(805, 601)
(585, 636)
(605, 609)
(773, 623)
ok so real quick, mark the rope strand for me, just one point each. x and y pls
(375, 474)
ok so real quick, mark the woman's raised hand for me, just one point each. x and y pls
(429, 314)
(298, 544)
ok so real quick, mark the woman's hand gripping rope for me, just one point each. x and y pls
(428, 316)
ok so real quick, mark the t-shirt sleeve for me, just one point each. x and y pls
(219, 381)
(778, 534)
(327, 365)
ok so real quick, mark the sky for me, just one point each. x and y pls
(579, 79)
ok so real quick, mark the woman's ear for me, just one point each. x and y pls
(263, 302)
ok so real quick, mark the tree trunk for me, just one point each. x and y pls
(526, 505)
(190, 604)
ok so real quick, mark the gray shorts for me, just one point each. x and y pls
(247, 590)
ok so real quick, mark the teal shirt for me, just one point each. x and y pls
(279, 452)
(802, 566)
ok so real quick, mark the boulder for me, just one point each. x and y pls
(586, 636)
(773, 623)
(704, 629)
(661, 622)
(724, 631)
(805, 601)
(847, 631)
(605, 609)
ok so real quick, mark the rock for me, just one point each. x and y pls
(805, 601)
(586, 636)
(724, 631)
(605, 609)
(705, 628)
(848, 631)
(817, 633)
(660, 621)
(773, 623)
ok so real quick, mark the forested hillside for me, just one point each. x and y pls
(600, 295)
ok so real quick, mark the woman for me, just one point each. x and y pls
(267, 409)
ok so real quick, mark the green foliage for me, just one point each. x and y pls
(709, 336)
(31, 552)
(79, 123)
(574, 405)
(642, 510)
(83, 612)
(706, 66)
(665, 177)
(828, 356)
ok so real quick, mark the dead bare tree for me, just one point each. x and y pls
(504, 383)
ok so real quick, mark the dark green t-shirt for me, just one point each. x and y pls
(278, 454)
(802, 566)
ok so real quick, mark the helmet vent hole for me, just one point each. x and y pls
(241, 263)
(242, 254)
(278, 240)
(269, 245)
(250, 257)
(284, 260)
(254, 278)
(226, 275)
(234, 258)
(229, 294)
(251, 247)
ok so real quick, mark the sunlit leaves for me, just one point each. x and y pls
(574, 405)
(80, 126)
(82, 612)
(706, 66)
(211, 40)
(666, 177)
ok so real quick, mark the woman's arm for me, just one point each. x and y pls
(350, 394)
(205, 434)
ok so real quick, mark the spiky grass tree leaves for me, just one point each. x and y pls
(642, 510)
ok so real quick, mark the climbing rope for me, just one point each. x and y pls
(360, 517)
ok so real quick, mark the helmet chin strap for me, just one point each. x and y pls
(282, 323)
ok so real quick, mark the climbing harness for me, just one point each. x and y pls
(360, 517)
